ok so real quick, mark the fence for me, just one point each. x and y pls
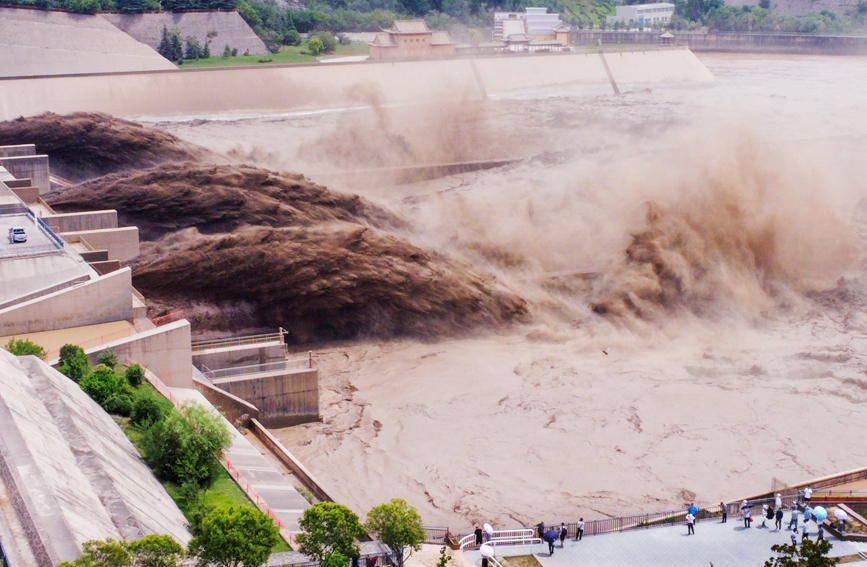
(239, 341)
(169, 318)
(257, 500)
(96, 341)
(436, 535)
(293, 364)
(636, 522)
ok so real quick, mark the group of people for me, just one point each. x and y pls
(551, 535)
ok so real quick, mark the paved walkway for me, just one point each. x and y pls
(723, 545)
(280, 495)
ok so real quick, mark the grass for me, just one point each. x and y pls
(224, 493)
(290, 54)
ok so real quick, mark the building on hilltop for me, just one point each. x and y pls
(408, 39)
(536, 24)
(643, 15)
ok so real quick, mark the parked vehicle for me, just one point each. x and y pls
(17, 234)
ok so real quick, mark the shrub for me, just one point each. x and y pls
(292, 37)
(107, 357)
(101, 385)
(146, 410)
(227, 51)
(234, 537)
(134, 375)
(73, 362)
(120, 404)
(329, 44)
(24, 347)
(314, 46)
(156, 551)
(185, 445)
(192, 48)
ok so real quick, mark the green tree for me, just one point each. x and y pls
(811, 554)
(227, 51)
(234, 537)
(398, 525)
(185, 446)
(134, 375)
(73, 362)
(156, 551)
(24, 347)
(107, 553)
(101, 385)
(107, 357)
(329, 527)
(146, 410)
(314, 45)
(334, 559)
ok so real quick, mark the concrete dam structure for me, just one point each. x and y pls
(318, 87)
(69, 474)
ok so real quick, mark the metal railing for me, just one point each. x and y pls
(520, 536)
(16, 251)
(293, 364)
(436, 535)
(239, 341)
(46, 229)
(96, 341)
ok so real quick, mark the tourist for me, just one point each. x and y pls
(794, 536)
(725, 512)
(478, 533)
(805, 532)
(808, 513)
(690, 523)
(821, 536)
(541, 527)
(769, 515)
(550, 537)
(779, 517)
(579, 532)
(765, 514)
(808, 493)
(778, 502)
(793, 521)
(747, 513)
(489, 532)
(692, 509)
(563, 532)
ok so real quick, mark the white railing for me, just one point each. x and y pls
(521, 536)
(292, 364)
(198, 346)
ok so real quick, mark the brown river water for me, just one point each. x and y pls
(715, 340)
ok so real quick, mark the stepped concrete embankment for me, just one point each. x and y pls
(40, 42)
(231, 29)
(317, 87)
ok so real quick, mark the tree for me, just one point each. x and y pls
(146, 410)
(185, 446)
(227, 51)
(134, 375)
(156, 551)
(107, 553)
(334, 559)
(101, 384)
(812, 554)
(107, 357)
(398, 525)
(329, 527)
(24, 347)
(73, 362)
(192, 48)
(314, 45)
(234, 537)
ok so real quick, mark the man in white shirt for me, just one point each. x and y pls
(808, 493)
(778, 502)
(579, 532)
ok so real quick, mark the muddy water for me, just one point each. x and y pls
(580, 414)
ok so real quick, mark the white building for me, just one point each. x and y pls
(535, 23)
(643, 15)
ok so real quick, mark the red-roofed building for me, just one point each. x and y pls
(408, 39)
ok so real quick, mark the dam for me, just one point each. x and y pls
(301, 88)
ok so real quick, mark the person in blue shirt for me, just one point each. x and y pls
(692, 509)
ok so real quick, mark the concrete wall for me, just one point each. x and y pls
(231, 29)
(42, 42)
(90, 220)
(165, 351)
(224, 358)
(283, 88)
(282, 399)
(18, 150)
(34, 167)
(231, 406)
(27, 194)
(735, 42)
(121, 243)
(101, 300)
